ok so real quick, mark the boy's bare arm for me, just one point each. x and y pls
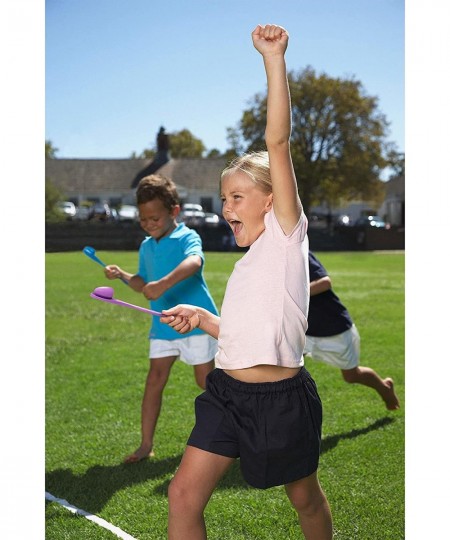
(112, 271)
(271, 41)
(187, 268)
(136, 283)
(320, 285)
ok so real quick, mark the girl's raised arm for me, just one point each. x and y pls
(271, 41)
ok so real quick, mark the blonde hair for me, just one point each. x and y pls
(255, 165)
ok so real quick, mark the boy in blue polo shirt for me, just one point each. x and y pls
(333, 338)
(170, 272)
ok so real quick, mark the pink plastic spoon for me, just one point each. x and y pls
(106, 294)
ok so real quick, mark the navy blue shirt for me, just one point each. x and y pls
(327, 314)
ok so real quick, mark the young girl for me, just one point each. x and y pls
(260, 404)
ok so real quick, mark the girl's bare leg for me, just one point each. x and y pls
(312, 508)
(190, 490)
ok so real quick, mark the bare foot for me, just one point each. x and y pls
(390, 397)
(139, 454)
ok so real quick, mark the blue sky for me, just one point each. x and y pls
(118, 70)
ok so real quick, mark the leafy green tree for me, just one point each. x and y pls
(147, 153)
(184, 145)
(52, 193)
(52, 196)
(338, 141)
(234, 139)
(396, 163)
(50, 150)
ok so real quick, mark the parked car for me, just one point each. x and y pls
(342, 220)
(83, 213)
(211, 219)
(370, 221)
(67, 208)
(128, 212)
(192, 218)
(101, 212)
(192, 207)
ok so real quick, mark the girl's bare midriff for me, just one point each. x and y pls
(262, 373)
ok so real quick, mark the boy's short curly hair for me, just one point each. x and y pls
(157, 186)
(255, 165)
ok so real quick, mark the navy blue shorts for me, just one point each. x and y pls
(274, 428)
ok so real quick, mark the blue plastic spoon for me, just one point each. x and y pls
(90, 252)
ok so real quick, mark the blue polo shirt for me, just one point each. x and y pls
(327, 315)
(159, 258)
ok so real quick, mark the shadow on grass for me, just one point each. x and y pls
(93, 489)
(233, 479)
(330, 442)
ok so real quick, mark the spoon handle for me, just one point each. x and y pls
(126, 304)
(139, 308)
(90, 253)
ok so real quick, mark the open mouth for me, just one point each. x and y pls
(236, 226)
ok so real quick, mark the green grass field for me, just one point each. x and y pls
(96, 364)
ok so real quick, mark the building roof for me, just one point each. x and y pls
(81, 175)
(117, 175)
(201, 174)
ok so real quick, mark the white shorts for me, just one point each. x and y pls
(192, 350)
(341, 351)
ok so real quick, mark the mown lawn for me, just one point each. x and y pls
(96, 363)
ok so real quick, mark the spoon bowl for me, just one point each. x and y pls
(90, 252)
(105, 293)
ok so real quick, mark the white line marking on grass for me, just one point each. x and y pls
(118, 532)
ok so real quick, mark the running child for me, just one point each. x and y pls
(170, 270)
(333, 338)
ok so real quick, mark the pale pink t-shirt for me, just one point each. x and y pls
(265, 307)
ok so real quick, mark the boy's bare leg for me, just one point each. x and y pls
(201, 371)
(312, 507)
(190, 490)
(369, 377)
(151, 405)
